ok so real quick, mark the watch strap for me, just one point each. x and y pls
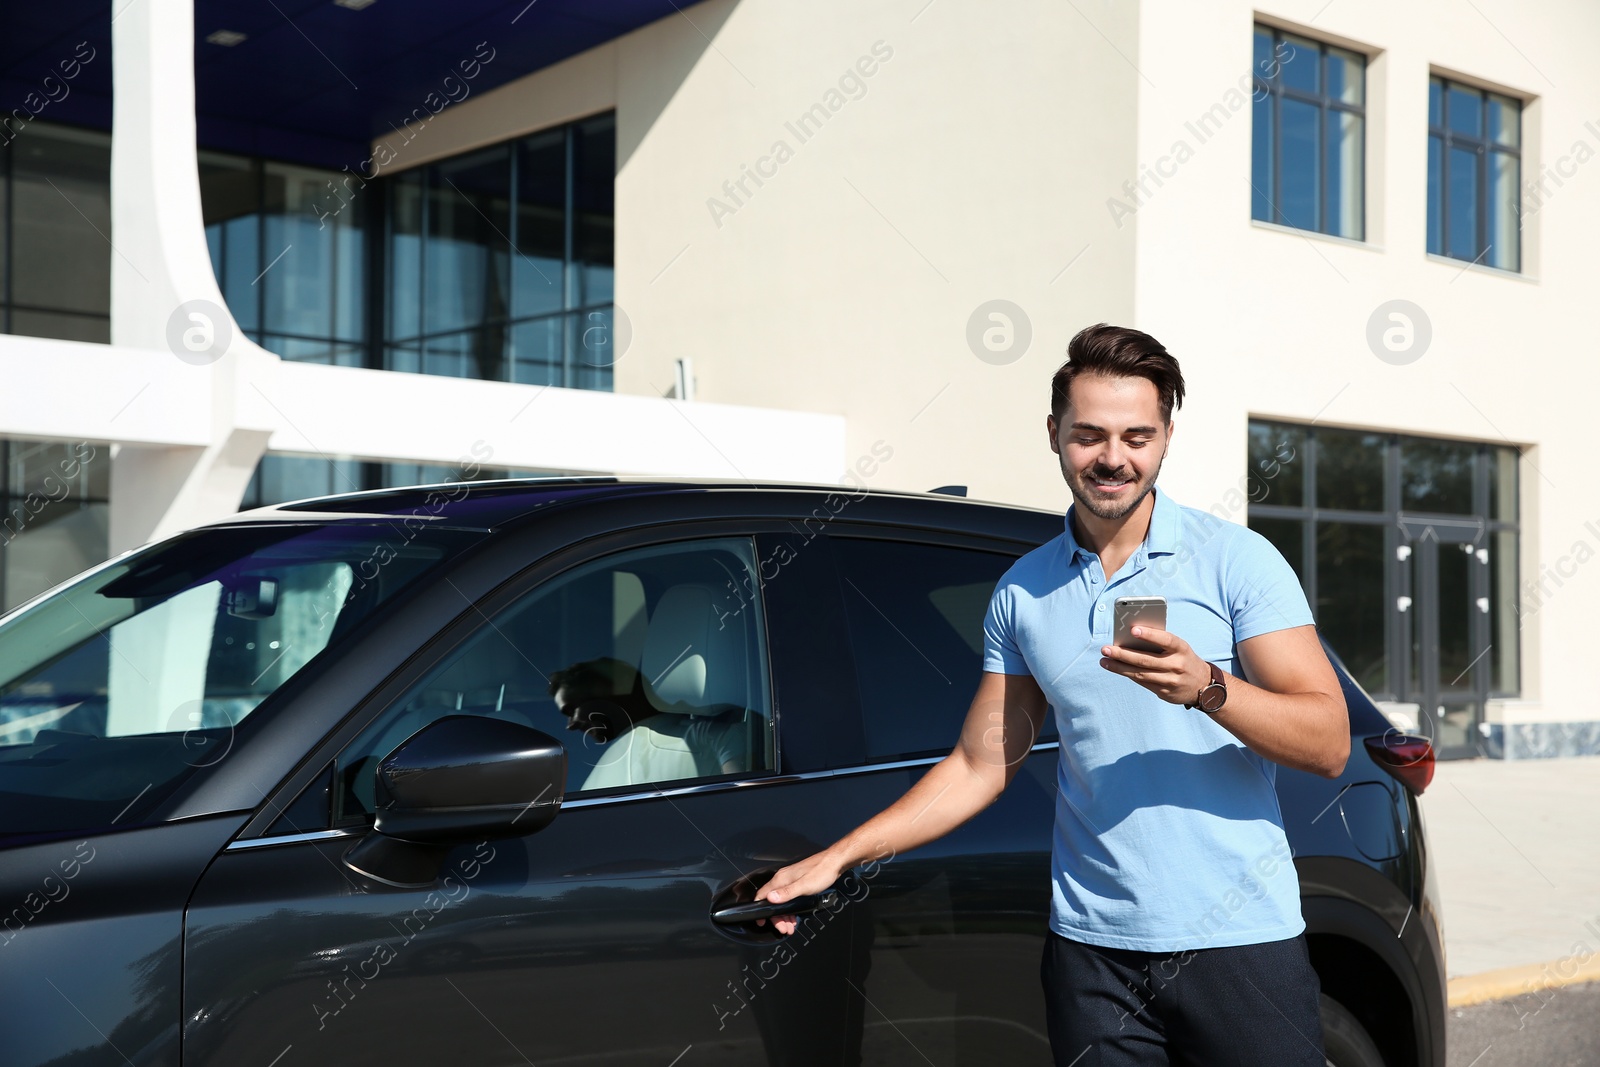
(1218, 681)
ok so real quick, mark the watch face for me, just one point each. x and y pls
(1213, 696)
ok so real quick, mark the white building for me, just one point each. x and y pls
(768, 240)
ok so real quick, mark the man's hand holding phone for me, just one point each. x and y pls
(1143, 651)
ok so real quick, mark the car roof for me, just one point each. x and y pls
(492, 503)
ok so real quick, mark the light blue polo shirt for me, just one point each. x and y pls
(1167, 829)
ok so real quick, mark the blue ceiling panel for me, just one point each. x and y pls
(313, 71)
(55, 63)
(313, 81)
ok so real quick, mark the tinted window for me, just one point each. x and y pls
(1351, 609)
(915, 613)
(1436, 475)
(1349, 470)
(649, 666)
(1276, 464)
(116, 688)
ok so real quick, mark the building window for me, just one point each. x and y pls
(500, 261)
(1407, 549)
(496, 264)
(54, 513)
(1309, 134)
(289, 251)
(1474, 174)
(280, 477)
(55, 221)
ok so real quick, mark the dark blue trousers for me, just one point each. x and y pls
(1238, 1006)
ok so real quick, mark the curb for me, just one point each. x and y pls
(1523, 981)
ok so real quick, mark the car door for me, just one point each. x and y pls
(591, 940)
(960, 922)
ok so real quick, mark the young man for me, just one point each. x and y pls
(1175, 928)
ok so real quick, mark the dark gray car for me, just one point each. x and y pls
(490, 775)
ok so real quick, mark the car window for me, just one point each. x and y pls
(121, 685)
(915, 613)
(648, 665)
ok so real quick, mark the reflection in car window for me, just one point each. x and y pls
(649, 666)
(915, 613)
(118, 687)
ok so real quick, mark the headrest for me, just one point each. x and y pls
(693, 658)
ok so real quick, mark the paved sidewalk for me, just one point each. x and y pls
(1516, 849)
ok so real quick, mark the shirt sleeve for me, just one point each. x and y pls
(1001, 654)
(725, 738)
(733, 746)
(1263, 592)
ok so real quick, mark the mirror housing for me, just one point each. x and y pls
(461, 778)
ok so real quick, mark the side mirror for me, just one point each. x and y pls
(461, 778)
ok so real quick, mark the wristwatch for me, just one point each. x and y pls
(1213, 695)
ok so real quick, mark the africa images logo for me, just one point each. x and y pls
(199, 332)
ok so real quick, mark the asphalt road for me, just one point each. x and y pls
(1556, 1028)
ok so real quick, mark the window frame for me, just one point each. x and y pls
(86, 492)
(1484, 149)
(339, 350)
(9, 306)
(452, 637)
(1277, 91)
(1394, 518)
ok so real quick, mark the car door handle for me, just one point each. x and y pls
(766, 909)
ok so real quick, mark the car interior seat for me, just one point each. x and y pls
(697, 679)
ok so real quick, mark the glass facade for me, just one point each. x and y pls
(54, 514)
(280, 477)
(1474, 174)
(496, 264)
(499, 262)
(1362, 515)
(55, 226)
(289, 251)
(1308, 144)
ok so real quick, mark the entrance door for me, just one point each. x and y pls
(1444, 613)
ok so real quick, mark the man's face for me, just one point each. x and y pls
(1111, 441)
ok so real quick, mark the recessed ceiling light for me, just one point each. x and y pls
(226, 38)
(355, 5)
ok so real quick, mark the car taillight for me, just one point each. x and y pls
(1406, 756)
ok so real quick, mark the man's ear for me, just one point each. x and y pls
(1050, 428)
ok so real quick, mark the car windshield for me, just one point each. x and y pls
(119, 686)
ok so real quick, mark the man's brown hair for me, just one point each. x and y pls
(1118, 352)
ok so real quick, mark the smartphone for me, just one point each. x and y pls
(1131, 611)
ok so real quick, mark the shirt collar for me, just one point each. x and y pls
(1160, 539)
